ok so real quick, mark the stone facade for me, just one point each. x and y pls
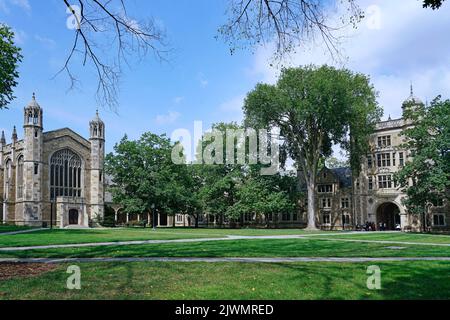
(54, 176)
(377, 198)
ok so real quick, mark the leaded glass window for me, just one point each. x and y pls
(65, 174)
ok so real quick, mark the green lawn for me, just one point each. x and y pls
(281, 281)
(58, 236)
(242, 248)
(8, 228)
(406, 237)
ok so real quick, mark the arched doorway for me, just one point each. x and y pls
(388, 213)
(73, 217)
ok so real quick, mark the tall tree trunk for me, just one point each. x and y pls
(311, 204)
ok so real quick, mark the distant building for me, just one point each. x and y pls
(52, 176)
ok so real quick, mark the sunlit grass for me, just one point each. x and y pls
(281, 281)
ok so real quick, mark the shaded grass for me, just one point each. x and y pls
(278, 281)
(9, 228)
(241, 248)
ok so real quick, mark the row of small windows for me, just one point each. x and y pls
(386, 160)
(325, 188)
(65, 175)
(326, 219)
(33, 117)
(327, 203)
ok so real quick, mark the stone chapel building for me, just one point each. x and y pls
(52, 177)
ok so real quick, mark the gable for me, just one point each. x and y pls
(66, 134)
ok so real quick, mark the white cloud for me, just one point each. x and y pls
(23, 4)
(202, 79)
(49, 43)
(409, 45)
(3, 7)
(20, 37)
(232, 109)
(169, 118)
(178, 100)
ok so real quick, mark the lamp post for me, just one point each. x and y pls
(51, 214)
(153, 220)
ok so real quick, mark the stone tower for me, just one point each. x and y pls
(32, 164)
(411, 103)
(97, 139)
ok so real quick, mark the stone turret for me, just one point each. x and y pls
(32, 162)
(411, 102)
(97, 192)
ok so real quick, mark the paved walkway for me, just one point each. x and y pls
(228, 238)
(20, 232)
(216, 260)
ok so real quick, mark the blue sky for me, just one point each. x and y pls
(398, 43)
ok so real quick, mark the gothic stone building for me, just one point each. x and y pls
(374, 197)
(52, 176)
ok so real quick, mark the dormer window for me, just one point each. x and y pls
(326, 188)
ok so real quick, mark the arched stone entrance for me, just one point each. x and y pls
(388, 213)
(73, 217)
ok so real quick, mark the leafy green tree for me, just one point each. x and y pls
(426, 176)
(261, 196)
(218, 181)
(314, 108)
(145, 176)
(10, 57)
(433, 4)
(232, 190)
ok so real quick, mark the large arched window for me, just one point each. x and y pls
(65, 174)
(20, 177)
(8, 178)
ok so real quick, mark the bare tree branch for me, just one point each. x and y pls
(288, 23)
(102, 29)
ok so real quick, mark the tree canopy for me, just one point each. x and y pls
(10, 57)
(144, 175)
(315, 108)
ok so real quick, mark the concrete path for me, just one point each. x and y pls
(228, 238)
(216, 260)
(20, 232)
